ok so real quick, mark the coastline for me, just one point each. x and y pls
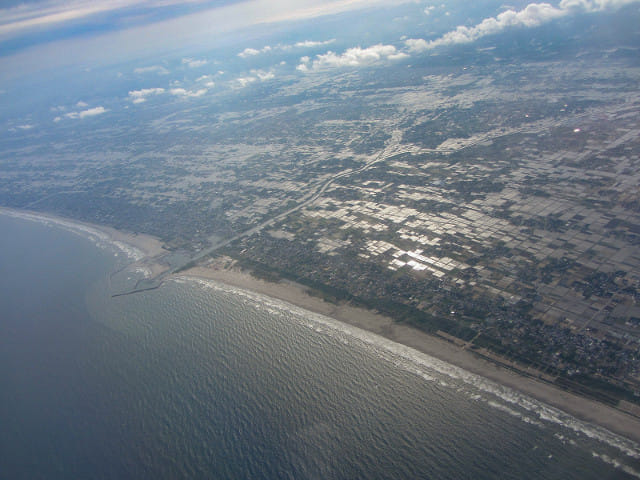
(142, 249)
(579, 407)
(145, 252)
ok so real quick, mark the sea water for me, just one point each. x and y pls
(200, 380)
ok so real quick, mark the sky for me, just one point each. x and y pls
(117, 28)
(41, 35)
(51, 29)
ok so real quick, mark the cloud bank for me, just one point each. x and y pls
(353, 57)
(252, 52)
(533, 15)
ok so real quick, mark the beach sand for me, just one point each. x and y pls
(580, 407)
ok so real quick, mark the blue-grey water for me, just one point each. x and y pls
(198, 380)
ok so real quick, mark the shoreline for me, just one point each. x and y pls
(582, 408)
(141, 249)
(144, 250)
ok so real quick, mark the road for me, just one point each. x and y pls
(307, 200)
(316, 192)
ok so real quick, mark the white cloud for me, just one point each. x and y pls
(207, 80)
(81, 104)
(191, 63)
(595, 5)
(252, 52)
(90, 112)
(416, 44)
(181, 92)
(256, 75)
(533, 15)
(248, 52)
(139, 96)
(312, 43)
(428, 10)
(27, 126)
(244, 81)
(264, 76)
(353, 57)
(159, 69)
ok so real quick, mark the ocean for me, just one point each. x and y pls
(201, 380)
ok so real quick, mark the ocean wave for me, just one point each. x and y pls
(617, 464)
(430, 368)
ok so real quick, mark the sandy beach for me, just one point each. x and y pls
(580, 407)
(146, 252)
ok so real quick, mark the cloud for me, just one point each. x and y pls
(428, 10)
(90, 112)
(27, 126)
(353, 57)
(248, 52)
(207, 79)
(181, 92)
(416, 45)
(256, 75)
(594, 5)
(252, 52)
(82, 104)
(159, 69)
(191, 63)
(139, 96)
(312, 43)
(264, 76)
(533, 15)
(244, 81)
